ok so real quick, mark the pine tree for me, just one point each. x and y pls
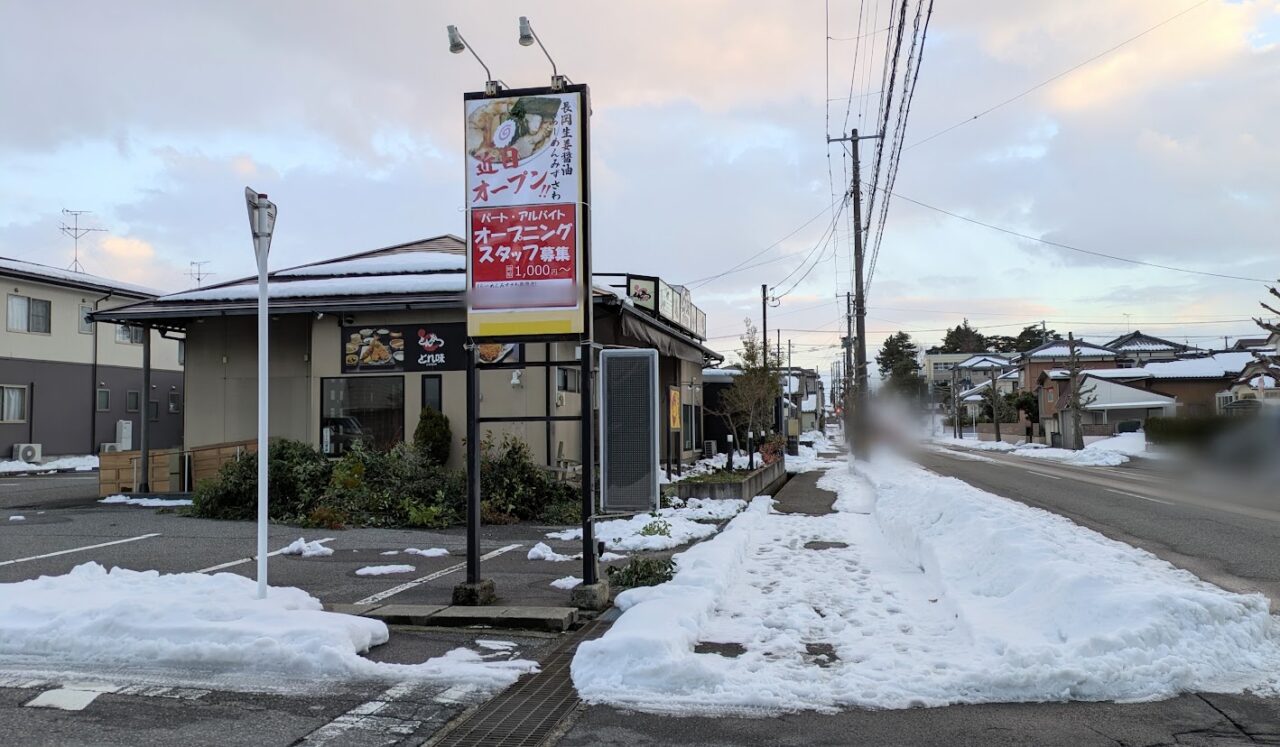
(963, 339)
(899, 364)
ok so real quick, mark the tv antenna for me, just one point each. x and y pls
(75, 232)
(197, 272)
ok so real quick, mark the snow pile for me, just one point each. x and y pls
(671, 527)
(1130, 444)
(17, 517)
(1107, 452)
(192, 621)
(1084, 458)
(543, 551)
(300, 546)
(566, 583)
(383, 570)
(430, 552)
(77, 463)
(129, 500)
(972, 443)
(1055, 611)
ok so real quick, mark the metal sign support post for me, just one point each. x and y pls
(590, 569)
(473, 467)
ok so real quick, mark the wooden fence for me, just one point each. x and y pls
(172, 470)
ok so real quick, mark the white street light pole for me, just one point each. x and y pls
(262, 222)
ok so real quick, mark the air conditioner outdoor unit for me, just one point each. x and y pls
(124, 434)
(108, 448)
(629, 431)
(708, 449)
(29, 453)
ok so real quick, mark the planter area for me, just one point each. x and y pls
(742, 485)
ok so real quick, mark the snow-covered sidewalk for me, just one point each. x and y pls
(1107, 452)
(942, 594)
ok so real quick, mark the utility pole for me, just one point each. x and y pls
(75, 232)
(847, 388)
(786, 432)
(995, 405)
(955, 410)
(861, 421)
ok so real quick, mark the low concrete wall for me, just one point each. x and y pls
(763, 481)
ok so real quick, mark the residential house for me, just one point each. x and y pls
(1136, 348)
(1112, 401)
(67, 383)
(1057, 354)
(936, 369)
(347, 358)
(1197, 384)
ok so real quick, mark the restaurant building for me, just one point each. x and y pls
(361, 344)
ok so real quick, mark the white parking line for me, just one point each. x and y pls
(242, 561)
(375, 598)
(80, 549)
(1135, 495)
(1043, 474)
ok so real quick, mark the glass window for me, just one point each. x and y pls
(1048, 395)
(182, 352)
(132, 400)
(175, 401)
(130, 334)
(17, 314)
(13, 404)
(39, 318)
(686, 413)
(86, 326)
(364, 408)
(104, 400)
(431, 393)
(568, 379)
(153, 410)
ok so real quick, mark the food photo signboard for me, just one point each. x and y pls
(525, 152)
(415, 348)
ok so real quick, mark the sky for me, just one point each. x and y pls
(709, 127)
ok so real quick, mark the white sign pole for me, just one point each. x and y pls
(262, 218)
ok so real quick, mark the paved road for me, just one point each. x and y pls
(41, 492)
(1219, 533)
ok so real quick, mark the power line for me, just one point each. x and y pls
(859, 36)
(1068, 247)
(1046, 82)
(739, 266)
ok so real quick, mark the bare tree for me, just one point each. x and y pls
(1079, 396)
(747, 405)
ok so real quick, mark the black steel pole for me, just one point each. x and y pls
(589, 569)
(144, 484)
(473, 468)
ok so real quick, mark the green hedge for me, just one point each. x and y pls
(401, 487)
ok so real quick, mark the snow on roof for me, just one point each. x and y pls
(1010, 376)
(1127, 405)
(1102, 373)
(720, 375)
(984, 362)
(1209, 367)
(809, 403)
(1137, 341)
(73, 277)
(1262, 381)
(450, 282)
(386, 264)
(975, 391)
(1060, 349)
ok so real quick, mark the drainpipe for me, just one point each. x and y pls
(144, 484)
(93, 391)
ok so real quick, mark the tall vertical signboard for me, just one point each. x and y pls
(527, 273)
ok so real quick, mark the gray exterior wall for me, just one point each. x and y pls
(61, 401)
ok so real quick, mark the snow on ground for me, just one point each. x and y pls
(543, 551)
(130, 500)
(92, 618)
(944, 594)
(17, 517)
(383, 570)
(568, 582)
(1084, 458)
(1107, 452)
(671, 527)
(78, 463)
(430, 552)
(608, 556)
(300, 546)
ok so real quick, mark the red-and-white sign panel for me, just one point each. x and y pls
(524, 257)
(524, 199)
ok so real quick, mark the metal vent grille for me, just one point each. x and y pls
(629, 430)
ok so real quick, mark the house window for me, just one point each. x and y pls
(432, 393)
(568, 379)
(153, 410)
(1048, 395)
(86, 326)
(686, 412)
(182, 352)
(130, 334)
(103, 403)
(13, 404)
(132, 400)
(365, 408)
(175, 402)
(29, 315)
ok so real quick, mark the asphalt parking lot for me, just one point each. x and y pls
(63, 525)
